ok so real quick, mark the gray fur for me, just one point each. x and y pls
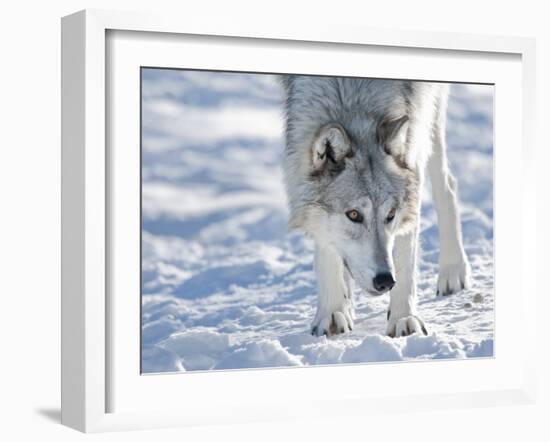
(362, 107)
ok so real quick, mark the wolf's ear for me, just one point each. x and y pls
(392, 135)
(330, 146)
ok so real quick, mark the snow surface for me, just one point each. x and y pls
(225, 286)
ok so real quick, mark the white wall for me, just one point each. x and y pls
(30, 220)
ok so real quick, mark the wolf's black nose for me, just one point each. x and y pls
(383, 282)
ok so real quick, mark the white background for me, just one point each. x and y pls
(30, 218)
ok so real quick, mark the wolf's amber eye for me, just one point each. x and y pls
(391, 215)
(354, 215)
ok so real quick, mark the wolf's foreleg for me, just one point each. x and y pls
(334, 303)
(402, 317)
(454, 269)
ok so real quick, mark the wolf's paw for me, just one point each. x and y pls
(453, 278)
(336, 323)
(405, 326)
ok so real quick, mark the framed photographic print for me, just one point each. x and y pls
(262, 224)
(223, 284)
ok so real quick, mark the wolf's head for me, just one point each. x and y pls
(352, 182)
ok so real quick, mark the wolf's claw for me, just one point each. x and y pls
(406, 326)
(453, 278)
(333, 324)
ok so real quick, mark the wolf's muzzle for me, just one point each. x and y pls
(383, 282)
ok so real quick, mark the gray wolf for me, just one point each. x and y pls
(356, 155)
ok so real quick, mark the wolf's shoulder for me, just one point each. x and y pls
(369, 94)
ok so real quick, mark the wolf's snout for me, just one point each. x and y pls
(383, 282)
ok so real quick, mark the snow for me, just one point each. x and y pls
(225, 286)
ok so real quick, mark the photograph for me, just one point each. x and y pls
(296, 220)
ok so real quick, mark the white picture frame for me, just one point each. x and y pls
(87, 316)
